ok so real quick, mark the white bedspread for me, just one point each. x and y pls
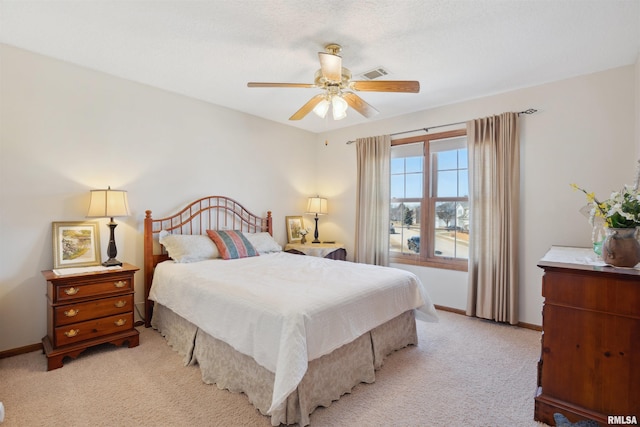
(285, 310)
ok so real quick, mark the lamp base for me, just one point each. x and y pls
(111, 262)
(112, 251)
(315, 233)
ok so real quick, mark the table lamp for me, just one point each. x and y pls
(109, 204)
(318, 206)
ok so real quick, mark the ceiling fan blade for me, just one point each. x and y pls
(303, 85)
(359, 104)
(307, 108)
(386, 86)
(331, 66)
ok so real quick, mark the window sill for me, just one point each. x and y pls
(444, 265)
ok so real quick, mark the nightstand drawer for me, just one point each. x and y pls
(97, 288)
(93, 328)
(79, 312)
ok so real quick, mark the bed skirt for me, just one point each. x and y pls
(327, 378)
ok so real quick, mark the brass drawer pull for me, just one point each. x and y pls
(120, 322)
(120, 304)
(71, 291)
(120, 284)
(72, 333)
(71, 313)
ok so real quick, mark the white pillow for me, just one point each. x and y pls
(188, 247)
(263, 242)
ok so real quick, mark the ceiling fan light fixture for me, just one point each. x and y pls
(339, 107)
(335, 82)
(322, 108)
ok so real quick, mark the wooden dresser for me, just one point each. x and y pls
(589, 366)
(88, 309)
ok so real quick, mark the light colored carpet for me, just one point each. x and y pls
(465, 372)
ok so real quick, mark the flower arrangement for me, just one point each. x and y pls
(303, 232)
(620, 210)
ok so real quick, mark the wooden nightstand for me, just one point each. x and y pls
(323, 250)
(88, 309)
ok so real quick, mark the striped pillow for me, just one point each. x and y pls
(232, 244)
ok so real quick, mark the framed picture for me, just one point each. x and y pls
(294, 225)
(76, 244)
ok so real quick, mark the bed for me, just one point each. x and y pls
(291, 332)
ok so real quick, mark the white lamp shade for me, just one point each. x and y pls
(108, 204)
(340, 107)
(322, 108)
(317, 205)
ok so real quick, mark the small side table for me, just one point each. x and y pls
(322, 250)
(88, 309)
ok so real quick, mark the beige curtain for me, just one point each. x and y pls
(372, 200)
(494, 175)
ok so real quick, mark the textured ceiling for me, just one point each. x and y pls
(209, 50)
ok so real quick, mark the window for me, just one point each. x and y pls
(429, 207)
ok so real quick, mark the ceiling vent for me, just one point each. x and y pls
(375, 73)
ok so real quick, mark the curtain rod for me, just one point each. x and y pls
(527, 111)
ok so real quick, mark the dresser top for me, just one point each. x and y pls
(580, 259)
(75, 272)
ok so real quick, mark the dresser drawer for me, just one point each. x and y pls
(79, 312)
(81, 331)
(613, 294)
(76, 291)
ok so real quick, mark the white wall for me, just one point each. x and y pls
(584, 132)
(65, 130)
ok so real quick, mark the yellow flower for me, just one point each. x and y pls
(621, 210)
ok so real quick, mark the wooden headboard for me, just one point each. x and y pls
(208, 213)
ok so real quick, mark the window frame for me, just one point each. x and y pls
(427, 210)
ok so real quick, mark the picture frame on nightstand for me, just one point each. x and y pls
(75, 244)
(293, 225)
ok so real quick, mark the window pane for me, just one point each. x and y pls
(414, 185)
(397, 186)
(447, 160)
(447, 184)
(406, 175)
(450, 174)
(413, 164)
(463, 183)
(452, 230)
(397, 165)
(463, 162)
(404, 232)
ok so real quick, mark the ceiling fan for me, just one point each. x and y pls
(337, 86)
